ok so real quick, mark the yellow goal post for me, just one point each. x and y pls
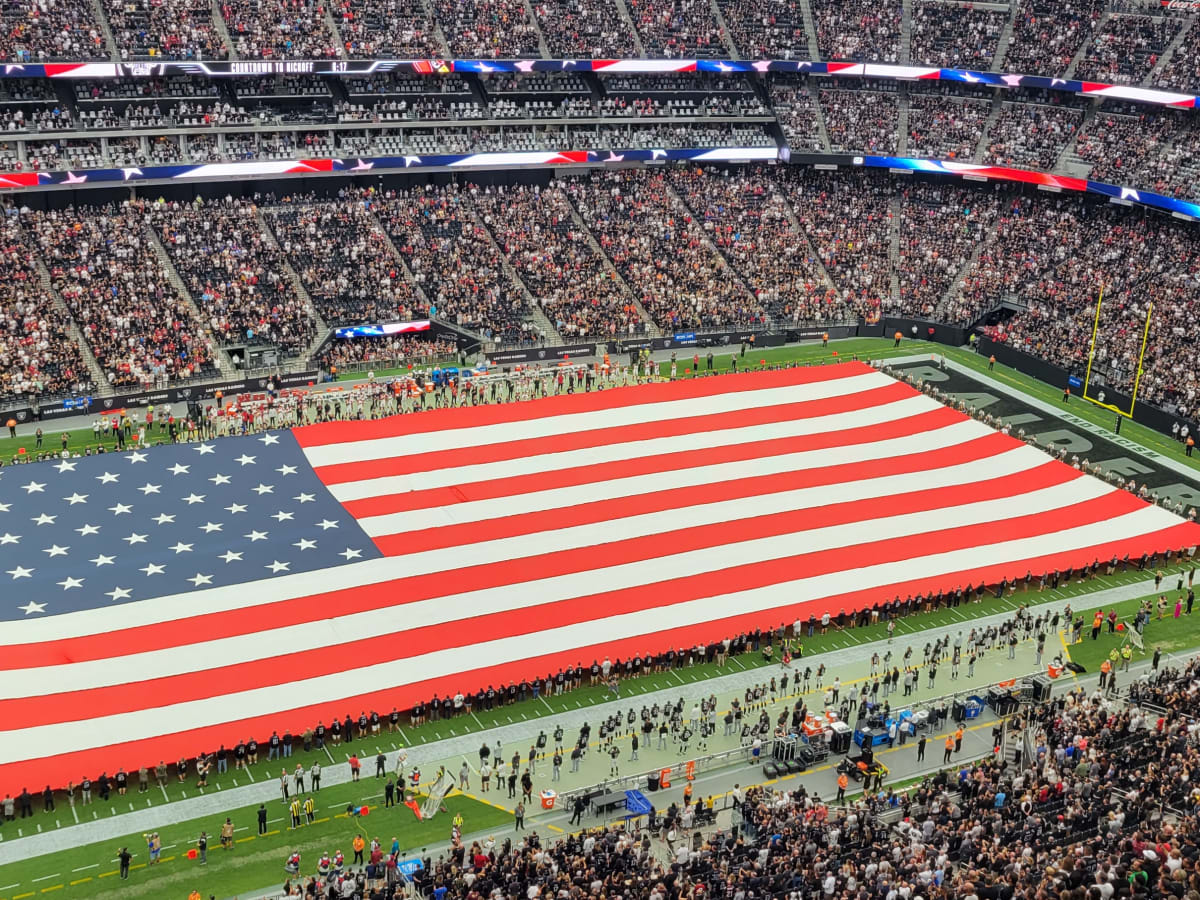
(1137, 379)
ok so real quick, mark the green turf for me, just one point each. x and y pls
(814, 353)
(91, 870)
(1167, 634)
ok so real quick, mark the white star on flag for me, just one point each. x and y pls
(44, 519)
(305, 544)
(32, 607)
(199, 579)
(220, 479)
(263, 489)
(286, 470)
(153, 569)
(350, 553)
(276, 566)
(256, 536)
(193, 498)
(56, 550)
(65, 466)
(70, 583)
(210, 527)
(147, 489)
(88, 529)
(35, 487)
(204, 449)
(108, 478)
(163, 519)
(102, 560)
(326, 524)
(305, 498)
(179, 469)
(119, 593)
(135, 538)
(282, 516)
(20, 572)
(180, 547)
(269, 439)
(120, 509)
(137, 456)
(245, 460)
(76, 498)
(229, 556)
(236, 508)
(9, 538)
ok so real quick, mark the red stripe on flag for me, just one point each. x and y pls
(380, 648)
(133, 754)
(598, 437)
(615, 398)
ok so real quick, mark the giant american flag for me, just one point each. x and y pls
(158, 603)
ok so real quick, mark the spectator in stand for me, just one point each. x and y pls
(858, 30)
(344, 259)
(1182, 71)
(662, 254)
(554, 259)
(589, 30)
(454, 261)
(947, 34)
(487, 29)
(38, 358)
(51, 30)
(940, 128)
(1047, 35)
(102, 263)
(861, 121)
(762, 29)
(234, 273)
(392, 351)
(387, 28)
(164, 29)
(748, 221)
(1126, 48)
(279, 29)
(678, 28)
(1032, 135)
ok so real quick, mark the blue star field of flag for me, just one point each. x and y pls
(120, 527)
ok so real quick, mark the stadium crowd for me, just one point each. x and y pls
(102, 263)
(454, 260)
(234, 273)
(38, 358)
(553, 257)
(680, 279)
(344, 259)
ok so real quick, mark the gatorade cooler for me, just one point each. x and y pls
(548, 798)
(664, 779)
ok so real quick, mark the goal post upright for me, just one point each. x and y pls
(1087, 378)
